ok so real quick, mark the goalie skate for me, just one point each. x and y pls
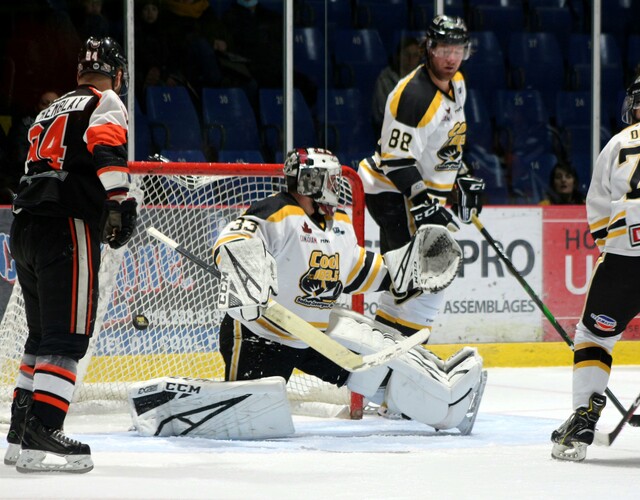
(466, 426)
(48, 450)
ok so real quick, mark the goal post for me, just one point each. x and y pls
(190, 202)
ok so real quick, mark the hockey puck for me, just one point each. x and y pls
(140, 322)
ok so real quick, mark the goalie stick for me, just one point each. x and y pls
(634, 420)
(607, 439)
(306, 332)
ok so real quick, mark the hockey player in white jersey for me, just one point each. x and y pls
(613, 298)
(419, 161)
(297, 245)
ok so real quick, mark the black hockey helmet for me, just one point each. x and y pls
(449, 30)
(631, 102)
(104, 56)
(314, 172)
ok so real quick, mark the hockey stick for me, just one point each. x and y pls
(635, 419)
(306, 332)
(607, 439)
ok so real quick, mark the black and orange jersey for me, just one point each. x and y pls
(77, 156)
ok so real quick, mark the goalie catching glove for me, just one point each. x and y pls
(428, 263)
(468, 194)
(118, 222)
(249, 277)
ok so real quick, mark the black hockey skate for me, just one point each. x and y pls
(571, 439)
(19, 409)
(40, 442)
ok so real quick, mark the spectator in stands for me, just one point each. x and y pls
(18, 143)
(563, 187)
(192, 59)
(92, 21)
(406, 58)
(256, 35)
(152, 47)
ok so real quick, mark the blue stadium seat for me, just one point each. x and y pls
(142, 144)
(359, 56)
(271, 104)
(423, 11)
(228, 119)
(184, 155)
(385, 16)
(580, 50)
(338, 14)
(309, 55)
(552, 19)
(573, 107)
(530, 175)
(487, 166)
(479, 126)
(576, 140)
(344, 125)
(535, 62)
(632, 59)
(522, 122)
(502, 20)
(485, 69)
(173, 119)
(240, 156)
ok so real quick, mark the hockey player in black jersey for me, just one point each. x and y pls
(73, 196)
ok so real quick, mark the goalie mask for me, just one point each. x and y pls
(316, 173)
(104, 56)
(449, 31)
(631, 103)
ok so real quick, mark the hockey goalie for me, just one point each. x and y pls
(298, 247)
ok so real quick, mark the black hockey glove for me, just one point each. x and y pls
(431, 212)
(118, 222)
(468, 195)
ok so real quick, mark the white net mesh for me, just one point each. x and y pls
(176, 296)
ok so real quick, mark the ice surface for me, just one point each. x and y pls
(506, 457)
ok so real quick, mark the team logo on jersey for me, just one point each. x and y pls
(307, 237)
(451, 152)
(604, 322)
(321, 283)
(634, 235)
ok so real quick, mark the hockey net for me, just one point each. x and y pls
(191, 203)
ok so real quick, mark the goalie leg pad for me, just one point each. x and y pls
(363, 336)
(420, 389)
(250, 409)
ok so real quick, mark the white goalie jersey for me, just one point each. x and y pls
(613, 200)
(315, 265)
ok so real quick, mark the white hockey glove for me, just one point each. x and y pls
(468, 194)
(249, 277)
(428, 263)
(432, 213)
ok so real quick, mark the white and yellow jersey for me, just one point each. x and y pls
(613, 200)
(423, 127)
(316, 262)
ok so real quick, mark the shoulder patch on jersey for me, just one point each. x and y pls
(275, 208)
(416, 98)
